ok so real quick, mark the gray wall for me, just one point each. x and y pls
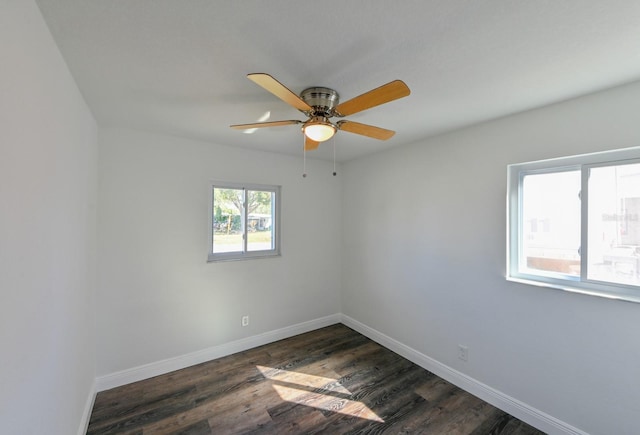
(424, 230)
(48, 179)
(158, 298)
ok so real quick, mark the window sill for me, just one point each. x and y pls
(619, 295)
(240, 257)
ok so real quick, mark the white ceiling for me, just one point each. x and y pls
(179, 66)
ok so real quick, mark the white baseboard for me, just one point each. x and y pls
(146, 371)
(88, 407)
(518, 409)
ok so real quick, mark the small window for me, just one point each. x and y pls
(574, 223)
(244, 221)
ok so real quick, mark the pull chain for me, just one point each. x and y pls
(334, 156)
(304, 158)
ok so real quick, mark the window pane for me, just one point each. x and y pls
(614, 224)
(551, 223)
(260, 220)
(227, 220)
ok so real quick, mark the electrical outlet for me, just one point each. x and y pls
(463, 352)
(245, 320)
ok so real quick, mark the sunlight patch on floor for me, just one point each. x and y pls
(319, 392)
(303, 379)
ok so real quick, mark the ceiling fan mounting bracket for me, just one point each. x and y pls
(322, 101)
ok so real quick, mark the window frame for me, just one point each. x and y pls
(275, 225)
(581, 284)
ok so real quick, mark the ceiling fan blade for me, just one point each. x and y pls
(279, 90)
(265, 124)
(365, 130)
(310, 144)
(384, 94)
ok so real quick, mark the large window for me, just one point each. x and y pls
(574, 223)
(244, 221)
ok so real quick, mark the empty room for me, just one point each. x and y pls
(270, 217)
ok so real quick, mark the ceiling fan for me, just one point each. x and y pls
(321, 104)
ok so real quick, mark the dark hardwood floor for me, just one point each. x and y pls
(331, 381)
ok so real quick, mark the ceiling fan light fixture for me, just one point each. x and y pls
(318, 129)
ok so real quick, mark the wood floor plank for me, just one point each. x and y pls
(330, 381)
(199, 428)
(214, 398)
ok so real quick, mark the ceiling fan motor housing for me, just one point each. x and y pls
(322, 100)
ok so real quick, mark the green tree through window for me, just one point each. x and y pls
(244, 221)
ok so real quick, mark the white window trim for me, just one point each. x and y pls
(245, 255)
(581, 285)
